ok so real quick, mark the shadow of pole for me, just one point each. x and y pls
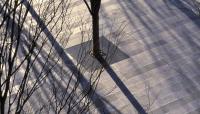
(187, 11)
(122, 86)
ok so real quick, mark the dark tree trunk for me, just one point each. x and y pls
(95, 34)
(2, 105)
(95, 6)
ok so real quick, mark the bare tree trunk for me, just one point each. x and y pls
(2, 106)
(95, 34)
(95, 6)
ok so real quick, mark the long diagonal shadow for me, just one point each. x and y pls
(122, 86)
(64, 56)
